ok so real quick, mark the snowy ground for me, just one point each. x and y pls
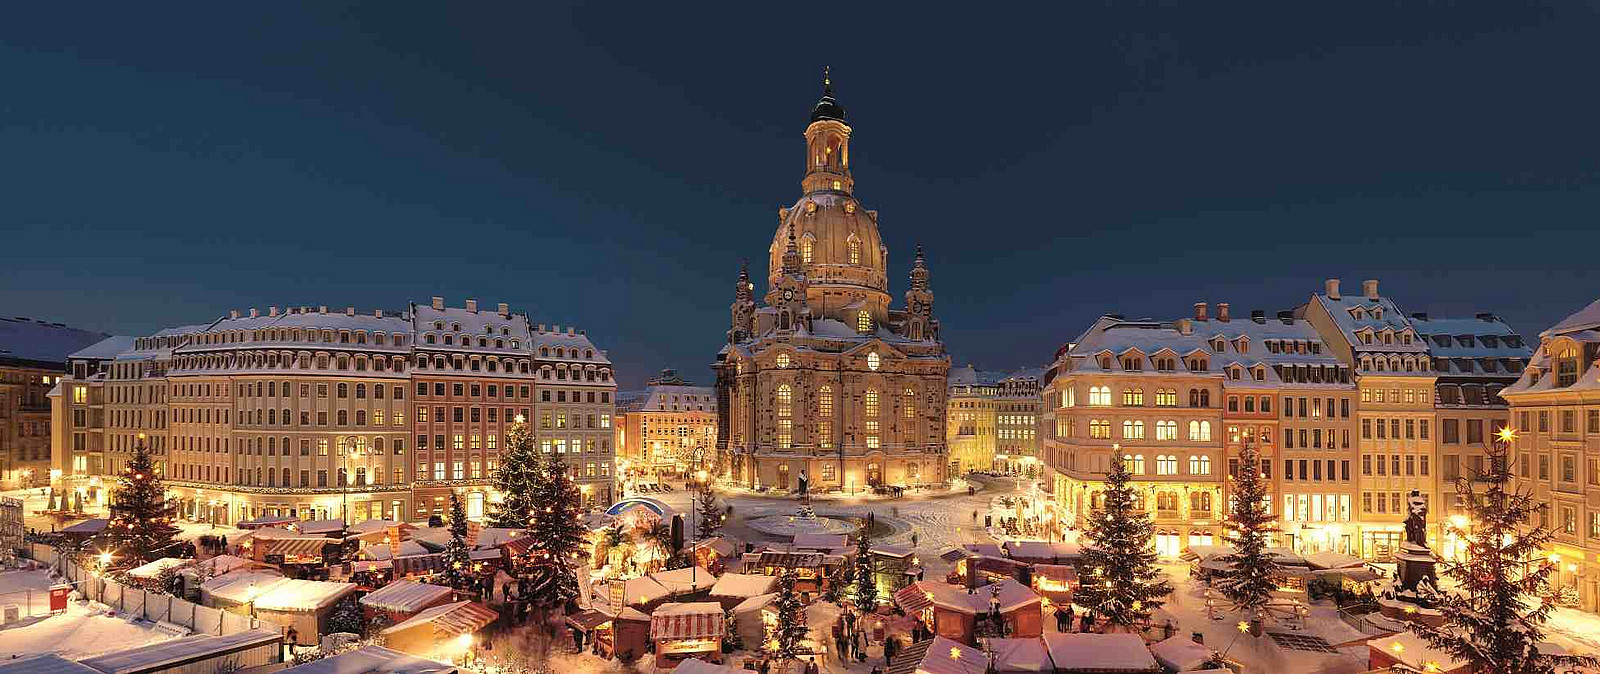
(85, 630)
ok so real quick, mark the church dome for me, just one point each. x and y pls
(838, 241)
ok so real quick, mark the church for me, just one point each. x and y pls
(823, 381)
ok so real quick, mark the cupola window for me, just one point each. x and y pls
(874, 361)
(855, 250)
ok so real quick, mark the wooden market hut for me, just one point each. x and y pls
(733, 589)
(691, 630)
(1091, 653)
(402, 600)
(623, 635)
(439, 629)
(200, 653)
(953, 612)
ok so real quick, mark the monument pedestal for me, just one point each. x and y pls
(1407, 598)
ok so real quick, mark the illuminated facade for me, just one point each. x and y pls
(33, 358)
(577, 400)
(670, 427)
(970, 414)
(825, 377)
(1556, 455)
(311, 413)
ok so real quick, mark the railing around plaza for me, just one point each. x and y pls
(134, 602)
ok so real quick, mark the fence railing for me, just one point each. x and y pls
(132, 601)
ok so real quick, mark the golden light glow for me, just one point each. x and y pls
(1555, 558)
(1243, 626)
(1458, 521)
(955, 653)
(1397, 647)
(1431, 666)
(465, 641)
(1506, 435)
(520, 419)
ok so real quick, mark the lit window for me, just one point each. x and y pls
(783, 360)
(1134, 463)
(871, 403)
(1133, 430)
(785, 416)
(910, 405)
(1167, 464)
(873, 361)
(825, 417)
(855, 251)
(805, 250)
(863, 322)
(1167, 430)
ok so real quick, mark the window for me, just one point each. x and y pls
(909, 407)
(783, 360)
(1166, 397)
(1166, 429)
(825, 417)
(1133, 397)
(855, 250)
(1134, 463)
(1100, 395)
(1167, 464)
(1099, 428)
(863, 322)
(1200, 430)
(1133, 430)
(1566, 367)
(1199, 464)
(785, 400)
(874, 361)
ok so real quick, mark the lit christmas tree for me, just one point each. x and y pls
(516, 478)
(1495, 621)
(557, 529)
(1125, 586)
(1253, 574)
(457, 560)
(790, 628)
(710, 515)
(141, 519)
(866, 578)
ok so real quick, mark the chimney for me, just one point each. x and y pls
(1185, 326)
(377, 313)
(1369, 288)
(1486, 316)
(1287, 317)
(1331, 288)
(1222, 312)
(349, 311)
(569, 329)
(1258, 315)
(505, 310)
(556, 328)
(472, 305)
(541, 327)
(255, 312)
(438, 303)
(323, 309)
(272, 310)
(1200, 311)
(1419, 316)
(583, 332)
(233, 314)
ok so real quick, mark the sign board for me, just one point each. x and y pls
(615, 591)
(58, 597)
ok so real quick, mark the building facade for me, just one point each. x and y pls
(312, 413)
(1556, 455)
(825, 378)
(33, 358)
(1017, 422)
(669, 428)
(1338, 395)
(971, 418)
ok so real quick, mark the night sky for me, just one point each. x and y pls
(607, 166)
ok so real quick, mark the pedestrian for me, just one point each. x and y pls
(1062, 621)
(913, 539)
(974, 517)
(811, 667)
(1087, 622)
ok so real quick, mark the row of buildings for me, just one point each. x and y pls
(307, 412)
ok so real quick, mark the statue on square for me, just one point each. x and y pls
(1417, 519)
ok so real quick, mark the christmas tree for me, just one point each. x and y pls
(457, 560)
(557, 528)
(1126, 587)
(790, 629)
(1252, 574)
(732, 640)
(866, 578)
(516, 479)
(1495, 620)
(710, 514)
(140, 527)
(346, 617)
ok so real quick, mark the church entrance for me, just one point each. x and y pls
(874, 474)
(783, 476)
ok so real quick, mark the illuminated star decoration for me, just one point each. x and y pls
(1506, 435)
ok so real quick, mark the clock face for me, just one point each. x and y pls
(788, 294)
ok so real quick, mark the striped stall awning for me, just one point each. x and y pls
(696, 625)
(519, 546)
(417, 565)
(912, 599)
(299, 546)
(467, 618)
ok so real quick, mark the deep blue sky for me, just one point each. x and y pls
(607, 166)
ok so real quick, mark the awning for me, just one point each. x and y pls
(588, 620)
(701, 620)
(912, 599)
(371, 565)
(300, 546)
(462, 617)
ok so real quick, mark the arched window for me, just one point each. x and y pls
(1567, 366)
(855, 250)
(1200, 430)
(1134, 463)
(1100, 395)
(806, 248)
(1166, 429)
(1200, 501)
(784, 404)
(825, 417)
(1133, 397)
(1166, 464)
(1205, 398)
(783, 360)
(874, 361)
(909, 406)
(1132, 430)
(863, 322)
(1199, 465)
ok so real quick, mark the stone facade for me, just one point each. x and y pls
(668, 428)
(33, 358)
(825, 377)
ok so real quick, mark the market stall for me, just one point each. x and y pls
(733, 589)
(682, 631)
(401, 600)
(1091, 653)
(440, 631)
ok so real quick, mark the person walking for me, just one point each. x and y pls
(913, 539)
(1087, 623)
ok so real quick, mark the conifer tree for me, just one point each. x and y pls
(866, 579)
(1125, 586)
(1253, 574)
(140, 527)
(790, 629)
(457, 560)
(709, 516)
(1495, 620)
(557, 527)
(732, 640)
(516, 478)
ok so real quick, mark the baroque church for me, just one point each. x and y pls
(824, 379)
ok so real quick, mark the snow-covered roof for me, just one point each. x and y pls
(970, 375)
(1099, 652)
(303, 595)
(105, 349)
(512, 330)
(743, 585)
(686, 580)
(669, 398)
(146, 658)
(155, 568)
(643, 590)
(222, 564)
(1013, 595)
(1020, 656)
(89, 526)
(462, 617)
(1413, 651)
(407, 548)
(1180, 653)
(321, 526)
(939, 656)
(372, 660)
(569, 340)
(44, 663)
(240, 587)
(370, 526)
(406, 595)
(494, 537)
(1332, 560)
(26, 340)
(1354, 313)
(1042, 550)
(690, 620)
(754, 603)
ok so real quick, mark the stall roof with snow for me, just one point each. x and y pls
(1020, 656)
(754, 603)
(303, 595)
(372, 660)
(462, 617)
(921, 594)
(222, 564)
(89, 526)
(743, 585)
(1043, 552)
(1415, 652)
(406, 596)
(240, 587)
(47, 663)
(155, 568)
(685, 581)
(1180, 653)
(1101, 653)
(1333, 560)
(186, 651)
(939, 656)
(332, 526)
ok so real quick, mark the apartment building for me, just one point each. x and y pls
(668, 428)
(33, 358)
(575, 408)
